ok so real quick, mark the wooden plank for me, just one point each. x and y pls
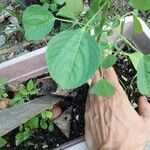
(11, 118)
(24, 67)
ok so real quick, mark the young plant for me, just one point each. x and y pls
(43, 120)
(3, 93)
(46, 120)
(26, 130)
(75, 54)
(3, 142)
(25, 92)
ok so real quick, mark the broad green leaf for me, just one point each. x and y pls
(135, 58)
(140, 4)
(37, 22)
(72, 9)
(3, 142)
(30, 85)
(33, 123)
(94, 7)
(103, 88)
(109, 61)
(72, 58)
(60, 2)
(143, 75)
(137, 25)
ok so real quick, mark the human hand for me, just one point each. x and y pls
(112, 123)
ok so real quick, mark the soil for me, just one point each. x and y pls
(127, 74)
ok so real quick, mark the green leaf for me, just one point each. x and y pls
(51, 127)
(60, 2)
(21, 128)
(72, 9)
(53, 6)
(30, 85)
(23, 91)
(43, 124)
(16, 100)
(2, 81)
(33, 123)
(5, 95)
(19, 138)
(135, 58)
(109, 61)
(137, 25)
(3, 142)
(49, 114)
(43, 115)
(140, 4)
(103, 88)
(143, 75)
(72, 58)
(37, 22)
(94, 7)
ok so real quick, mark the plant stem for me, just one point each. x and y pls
(93, 17)
(104, 12)
(132, 46)
(65, 20)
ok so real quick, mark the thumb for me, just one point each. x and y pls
(143, 107)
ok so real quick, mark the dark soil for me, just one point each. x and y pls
(127, 75)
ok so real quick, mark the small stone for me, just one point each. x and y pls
(2, 18)
(10, 29)
(10, 55)
(77, 117)
(46, 85)
(2, 40)
(134, 105)
(13, 86)
(56, 110)
(14, 20)
(45, 146)
(64, 121)
(5, 13)
(61, 92)
(4, 103)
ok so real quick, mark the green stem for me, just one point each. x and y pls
(95, 15)
(102, 22)
(132, 46)
(65, 20)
